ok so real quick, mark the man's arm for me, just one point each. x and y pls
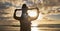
(15, 17)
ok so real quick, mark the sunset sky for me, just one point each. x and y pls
(47, 13)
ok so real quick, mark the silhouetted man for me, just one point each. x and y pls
(25, 24)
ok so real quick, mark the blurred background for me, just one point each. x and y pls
(49, 16)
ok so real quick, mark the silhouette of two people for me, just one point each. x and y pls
(25, 24)
(25, 20)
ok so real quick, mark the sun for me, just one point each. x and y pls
(36, 23)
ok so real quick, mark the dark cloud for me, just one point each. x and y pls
(4, 5)
(52, 2)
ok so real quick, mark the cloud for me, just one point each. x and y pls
(54, 17)
(4, 5)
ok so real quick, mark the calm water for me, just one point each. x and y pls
(13, 28)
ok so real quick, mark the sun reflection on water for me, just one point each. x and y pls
(35, 29)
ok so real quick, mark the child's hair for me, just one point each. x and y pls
(24, 5)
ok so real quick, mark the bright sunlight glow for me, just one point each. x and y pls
(36, 23)
(32, 13)
(40, 16)
(34, 29)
